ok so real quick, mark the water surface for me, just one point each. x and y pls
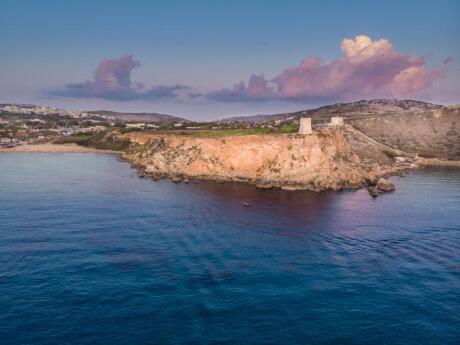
(92, 254)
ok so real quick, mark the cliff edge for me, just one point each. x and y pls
(323, 160)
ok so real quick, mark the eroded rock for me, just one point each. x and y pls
(382, 186)
(317, 162)
(385, 185)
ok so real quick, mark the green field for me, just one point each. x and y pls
(241, 131)
(106, 140)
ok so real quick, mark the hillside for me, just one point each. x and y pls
(419, 128)
(353, 110)
(142, 117)
(430, 134)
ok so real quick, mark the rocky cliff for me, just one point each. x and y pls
(320, 161)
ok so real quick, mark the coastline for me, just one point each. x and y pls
(437, 162)
(54, 148)
(321, 161)
(141, 165)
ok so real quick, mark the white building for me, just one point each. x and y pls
(135, 125)
(305, 126)
(151, 125)
(336, 121)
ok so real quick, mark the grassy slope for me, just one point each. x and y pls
(242, 131)
(102, 140)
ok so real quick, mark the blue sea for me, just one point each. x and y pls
(92, 254)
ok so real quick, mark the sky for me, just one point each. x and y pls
(207, 60)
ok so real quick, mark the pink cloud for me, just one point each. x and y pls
(258, 87)
(113, 75)
(366, 69)
(112, 81)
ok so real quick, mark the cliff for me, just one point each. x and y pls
(320, 161)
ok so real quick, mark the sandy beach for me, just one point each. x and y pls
(53, 148)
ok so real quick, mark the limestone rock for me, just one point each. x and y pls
(264, 185)
(176, 178)
(374, 191)
(314, 162)
(382, 186)
(385, 185)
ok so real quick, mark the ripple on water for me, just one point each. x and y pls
(90, 253)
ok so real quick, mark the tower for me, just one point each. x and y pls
(305, 126)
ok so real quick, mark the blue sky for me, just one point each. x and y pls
(209, 46)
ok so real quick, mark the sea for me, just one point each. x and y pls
(90, 253)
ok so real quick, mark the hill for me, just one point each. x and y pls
(430, 134)
(415, 127)
(353, 110)
(141, 117)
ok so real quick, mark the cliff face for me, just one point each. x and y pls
(313, 162)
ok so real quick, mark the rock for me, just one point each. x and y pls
(289, 188)
(186, 180)
(264, 185)
(384, 185)
(316, 162)
(246, 204)
(373, 191)
(155, 176)
(176, 179)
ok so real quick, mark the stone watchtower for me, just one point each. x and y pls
(336, 121)
(305, 126)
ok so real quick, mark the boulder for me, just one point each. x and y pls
(385, 185)
(176, 178)
(264, 185)
(382, 186)
(290, 188)
(373, 191)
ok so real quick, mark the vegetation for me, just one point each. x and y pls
(241, 131)
(105, 141)
(102, 140)
(79, 139)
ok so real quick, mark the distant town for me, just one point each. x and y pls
(34, 124)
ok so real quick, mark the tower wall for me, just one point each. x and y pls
(305, 126)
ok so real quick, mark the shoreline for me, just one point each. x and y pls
(437, 162)
(392, 171)
(54, 148)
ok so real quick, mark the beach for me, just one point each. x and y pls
(53, 148)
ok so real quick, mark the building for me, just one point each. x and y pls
(135, 125)
(305, 126)
(336, 121)
(151, 125)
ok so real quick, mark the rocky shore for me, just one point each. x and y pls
(315, 162)
(326, 160)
